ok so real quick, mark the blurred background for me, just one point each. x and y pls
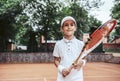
(34, 25)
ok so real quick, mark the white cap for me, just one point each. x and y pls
(67, 18)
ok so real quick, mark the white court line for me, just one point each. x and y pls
(110, 70)
(14, 79)
(103, 76)
(45, 79)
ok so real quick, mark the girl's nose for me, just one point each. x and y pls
(69, 26)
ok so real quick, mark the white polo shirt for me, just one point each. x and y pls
(68, 51)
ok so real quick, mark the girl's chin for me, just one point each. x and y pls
(69, 35)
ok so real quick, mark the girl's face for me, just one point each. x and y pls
(68, 28)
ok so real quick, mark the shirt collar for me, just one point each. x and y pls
(69, 41)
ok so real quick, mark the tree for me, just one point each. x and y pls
(8, 12)
(32, 43)
(41, 16)
(116, 14)
(9, 5)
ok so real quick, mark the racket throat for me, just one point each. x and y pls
(75, 62)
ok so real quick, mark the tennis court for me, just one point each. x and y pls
(93, 71)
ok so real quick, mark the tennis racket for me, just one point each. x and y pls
(95, 39)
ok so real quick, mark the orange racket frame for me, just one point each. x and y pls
(96, 38)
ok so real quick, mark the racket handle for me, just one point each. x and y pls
(69, 69)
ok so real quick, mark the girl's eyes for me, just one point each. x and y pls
(69, 24)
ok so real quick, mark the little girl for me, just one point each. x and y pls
(67, 50)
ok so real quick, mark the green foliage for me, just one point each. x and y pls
(6, 5)
(116, 14)
(8, 11)
(41, 16)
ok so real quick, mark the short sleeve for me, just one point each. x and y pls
(56, 51)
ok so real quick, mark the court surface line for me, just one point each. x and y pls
(110, 70)
(45, 79)
(22, 79)
(103, 76)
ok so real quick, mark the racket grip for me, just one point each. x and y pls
(69, 69)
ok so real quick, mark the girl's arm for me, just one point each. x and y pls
(64, 71)
(56, 61)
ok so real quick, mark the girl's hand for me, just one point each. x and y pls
(79, 65)
(65, 72)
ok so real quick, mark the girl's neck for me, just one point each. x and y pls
(69, 37)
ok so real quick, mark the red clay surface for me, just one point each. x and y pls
(48, 72)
